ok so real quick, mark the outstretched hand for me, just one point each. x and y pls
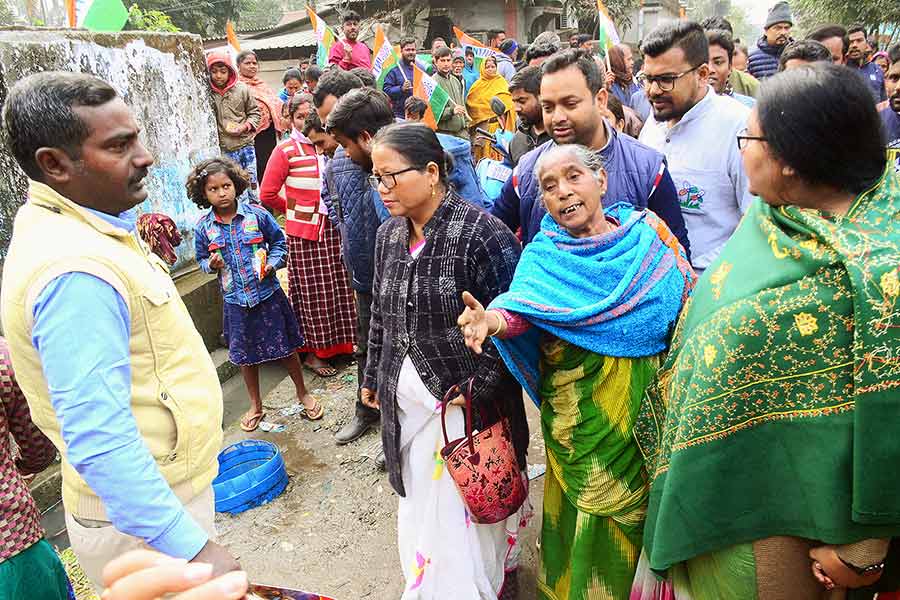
(473, 323)
(148, 575)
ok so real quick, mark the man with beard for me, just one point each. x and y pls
(525, 88)
(858, 57)
(398, 83)
(114, 371)
(763, 59)
(833, 37)
(696, 130)
(890, 113)
(572, 100)
(350, 53)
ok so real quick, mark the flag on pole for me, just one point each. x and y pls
(384, 57)
(607, 33)
(481, 51)
(97, 15)
(324, 35)
(231, 36)
(426, 88)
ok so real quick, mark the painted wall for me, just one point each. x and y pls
(162, 77)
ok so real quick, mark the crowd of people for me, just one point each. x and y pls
(693, 270)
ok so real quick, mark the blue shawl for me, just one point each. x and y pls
(617, 294)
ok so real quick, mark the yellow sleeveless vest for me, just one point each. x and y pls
(175, 394)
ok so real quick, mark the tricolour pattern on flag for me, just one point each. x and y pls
(428, 89)
(324, 35)
(481, 51)
(384, 57)
(607, 33)
(97, 15)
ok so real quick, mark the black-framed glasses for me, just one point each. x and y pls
(666, 83)
(388, 180)
(743, 138)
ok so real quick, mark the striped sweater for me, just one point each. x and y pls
(292, 185)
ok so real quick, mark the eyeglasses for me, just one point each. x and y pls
(388, 180)
(666, 83)
(743, 138)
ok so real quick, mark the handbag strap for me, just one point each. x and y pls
(450, 395)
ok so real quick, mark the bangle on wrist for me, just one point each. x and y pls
(499, 327)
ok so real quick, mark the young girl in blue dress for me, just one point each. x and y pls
(244, 246)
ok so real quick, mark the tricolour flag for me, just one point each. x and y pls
(481, 51)
(384, 57)
(231, 36)
(607, 33)
(97, 15)
(428, 89)
(324, 35)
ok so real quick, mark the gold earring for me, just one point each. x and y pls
(433, 191)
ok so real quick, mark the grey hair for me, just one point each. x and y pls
(39, 113)
(590, 159)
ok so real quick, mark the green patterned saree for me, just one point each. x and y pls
(777, 411)
(596, 488)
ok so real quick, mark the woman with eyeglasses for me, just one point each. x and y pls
(772, 432)
(435, 246)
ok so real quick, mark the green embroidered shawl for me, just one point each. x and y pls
(777, 411)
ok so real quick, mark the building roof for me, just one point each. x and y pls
(294, 39)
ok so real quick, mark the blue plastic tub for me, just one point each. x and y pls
(251, 473)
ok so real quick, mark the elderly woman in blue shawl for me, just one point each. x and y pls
(582, 327)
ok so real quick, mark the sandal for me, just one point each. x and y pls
(252, 424)
(313, 415)
(324, 370)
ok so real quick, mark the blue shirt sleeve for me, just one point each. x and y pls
(276, 255)
(380, 209)
(90, 390)
(201, 248)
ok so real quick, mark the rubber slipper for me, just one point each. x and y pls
(315, 415)
(252, 424)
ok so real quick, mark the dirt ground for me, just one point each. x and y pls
(333, 530)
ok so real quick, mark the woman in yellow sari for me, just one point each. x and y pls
(478, 103)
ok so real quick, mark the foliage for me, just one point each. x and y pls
(736, 15)
(259, 14)
(619, 10)
(205, 17)
(6, 15)
(149, 20)
(877, 15)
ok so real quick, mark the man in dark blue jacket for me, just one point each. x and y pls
(351, 207)
(572, 96)
(763, 59)
(398, 84)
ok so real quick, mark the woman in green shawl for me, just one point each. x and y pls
(771, 433)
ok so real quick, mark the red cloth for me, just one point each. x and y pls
(18, 512)
(270, 105)
(320, 294)
(360, 55)
(160, 233)
(292, 185)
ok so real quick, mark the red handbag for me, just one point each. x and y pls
(484, 466)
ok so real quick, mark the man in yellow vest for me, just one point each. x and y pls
(111, 364)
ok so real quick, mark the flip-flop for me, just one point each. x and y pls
(323, 372)
(320, 412)
(252, 424)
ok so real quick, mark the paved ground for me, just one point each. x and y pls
(333, 530)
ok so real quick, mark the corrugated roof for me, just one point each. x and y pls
(296, 39)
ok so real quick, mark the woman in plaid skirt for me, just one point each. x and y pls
(318, 284)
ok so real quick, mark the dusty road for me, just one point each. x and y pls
(333, 530)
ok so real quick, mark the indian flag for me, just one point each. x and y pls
(325, 36)
(481, 51)
(97, 15)
(384, 57)
(607, 33)
(426, 88)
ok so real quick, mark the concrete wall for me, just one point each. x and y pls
(162, 77)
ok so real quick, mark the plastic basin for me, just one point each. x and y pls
(251, 473)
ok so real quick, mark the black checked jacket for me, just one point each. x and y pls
(416, 302)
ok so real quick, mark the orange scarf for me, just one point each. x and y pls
(270, 105)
